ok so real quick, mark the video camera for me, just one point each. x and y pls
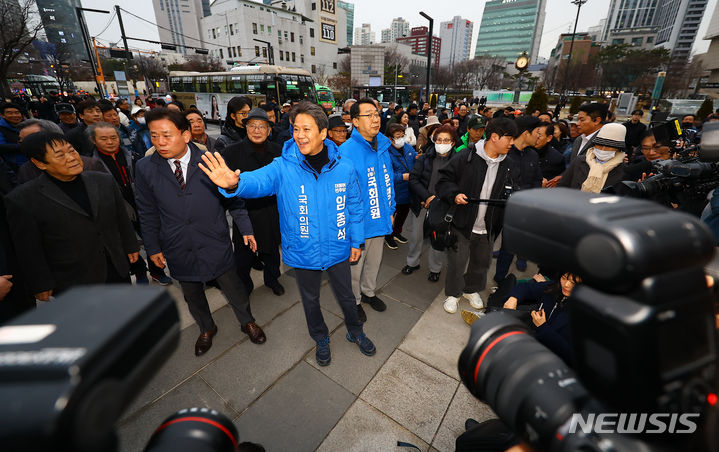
(686, 180)
(643, 337)
(71, 367)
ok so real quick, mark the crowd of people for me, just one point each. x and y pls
(96, 192)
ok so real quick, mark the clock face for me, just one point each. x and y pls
(522, 62)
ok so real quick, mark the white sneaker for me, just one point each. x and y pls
(474, 300)
(450, 304)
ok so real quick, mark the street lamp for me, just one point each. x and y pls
(429, 50)
(579, 4)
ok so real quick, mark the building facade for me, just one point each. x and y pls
(349, 9)
(399, 28)
(61, 27)
(642, 37)
(417, 40)
(300, 36)
(509, 28)
(456, 36)
(678, 22)
(364, 35)
(626, 15)
(179, 22)
(583, 51)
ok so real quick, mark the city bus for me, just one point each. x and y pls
(325, 98)
(35, 85)
(210, 91)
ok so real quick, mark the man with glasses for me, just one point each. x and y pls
(197, 128)
(368, 151)
(337, 131)
(250, 154)
(233, 130)
(652, 150)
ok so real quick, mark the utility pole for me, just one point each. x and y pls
(128, 55)
(101, 76)
(86, 41)
(429, 51)
(579, 4)
(270, 51)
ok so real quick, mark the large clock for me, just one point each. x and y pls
(522, 62)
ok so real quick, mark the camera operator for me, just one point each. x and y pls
(652, 150)
(602, 165)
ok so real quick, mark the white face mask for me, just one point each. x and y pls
(443, 148)
(398, 143)
(141, 120)
(604, 156)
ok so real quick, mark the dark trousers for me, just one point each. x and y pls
(113, 276)
(244, 258)
(340, 278)
(400, 216)
(140, 267)
(232, 288)
(478, 251)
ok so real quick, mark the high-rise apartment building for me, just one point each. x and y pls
(509, 28)
(624, 15)
(417, 40)
(364, 35)
(179, 22)
(456, 36)
(678, 22)
(399, 28)
(386, 35)
(349, 9)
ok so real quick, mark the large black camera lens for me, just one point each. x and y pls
(195, 430)
(530, 388)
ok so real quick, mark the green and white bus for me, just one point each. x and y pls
(325, 98)
(210, 91)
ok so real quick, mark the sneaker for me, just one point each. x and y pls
(361, 314)
(322, 352)
(408, 269)
(365, 345)
(162, 279)
(376, 304)
(471, 316)
(521, 264)
(389, 241)
(474, 300)
(450, 304)
(142, 279)
(400, 238)
(433, 277)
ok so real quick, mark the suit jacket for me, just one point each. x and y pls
(577, 144)
(188, 226)
(59, 245)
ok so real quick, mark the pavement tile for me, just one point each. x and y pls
(364, 428)
(266, 305)
(296, 413)
(411, 393)
(438, 338)
(386, 329)
(245, 372)
(464, 405)
(182, 363)
(415, 289)
(135, 433)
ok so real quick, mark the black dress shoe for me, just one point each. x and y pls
(257, 336)
(434, 277)
(408, 269)
(257, 263)
(377, 304)
(277, 289)
(204, 342)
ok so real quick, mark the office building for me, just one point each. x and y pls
(417, 40)
(626, 15)
(456, 36)
(61, 27)
(509, 28)
(596, 32)
(678, 22)
(583, 51)
(364, 35)
(349, 9)
(179, 22)
(641, 37)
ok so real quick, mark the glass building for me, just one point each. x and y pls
(62, 28)
(350, 8)
(510, 27)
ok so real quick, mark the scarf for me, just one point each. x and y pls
(598, 172)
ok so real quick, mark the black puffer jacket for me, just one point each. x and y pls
(230, 134)
(421, 175)
(526, 172)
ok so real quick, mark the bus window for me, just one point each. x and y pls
(188, 84)
(201, 84)
(218, 84)
(237, 84)
(176, 84)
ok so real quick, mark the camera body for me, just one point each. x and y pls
(642, 324)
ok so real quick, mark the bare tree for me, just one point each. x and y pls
(489, 71)
(59, 58)
(442, 78)
(345, 65)
(19, 26)
(321, 75)
(152, 69)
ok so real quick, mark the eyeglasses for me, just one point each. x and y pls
(372, 116)
(656, 147)
(444, 141)
(260, 127)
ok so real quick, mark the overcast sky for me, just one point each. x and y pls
(560, 18)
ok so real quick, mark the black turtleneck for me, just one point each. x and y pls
(76, 190)
(319, 160)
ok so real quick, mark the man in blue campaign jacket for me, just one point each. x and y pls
(368, 150)
(403, 158)
(321, 213)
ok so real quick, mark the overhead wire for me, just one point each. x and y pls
(171, 31)
(108, 24)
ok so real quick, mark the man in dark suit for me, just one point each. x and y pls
(590, 119)
(183, 222)
(69, 227)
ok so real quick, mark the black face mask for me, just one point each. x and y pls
(687, 125)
